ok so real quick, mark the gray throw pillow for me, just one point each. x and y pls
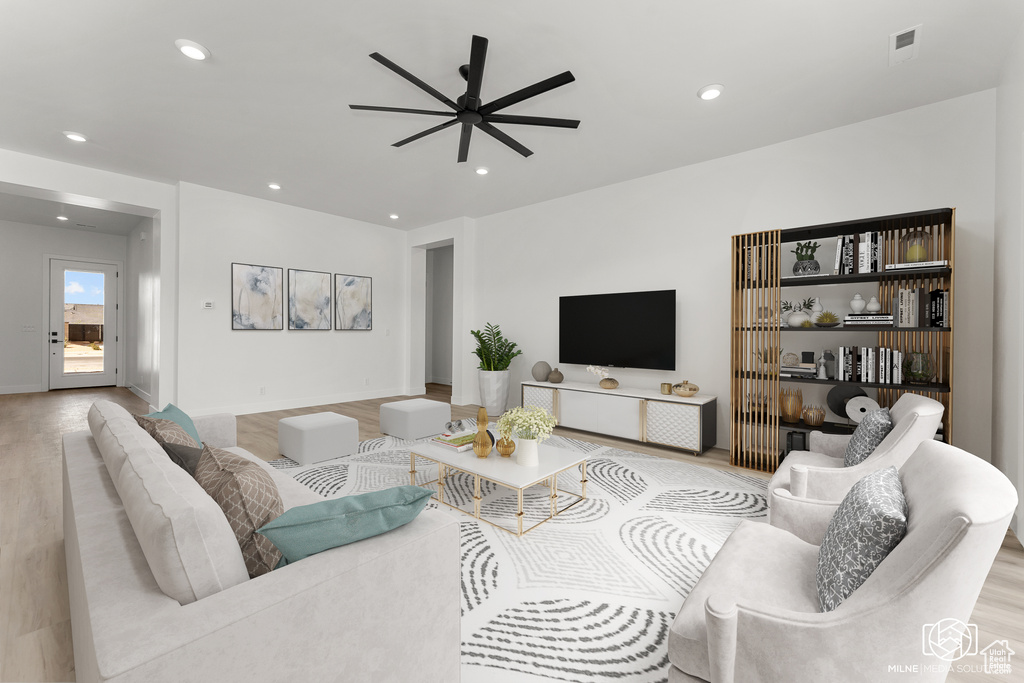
(185, 457)
(867, 525)
(875, 426)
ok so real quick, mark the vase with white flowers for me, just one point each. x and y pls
(606, 381)
(530, 425)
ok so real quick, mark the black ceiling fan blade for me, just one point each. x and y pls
(529, 91)
(428, 131)
(376, 56)
(467, 132)
(400, 110)
(477, 56)
(532, 120)
(502, 137)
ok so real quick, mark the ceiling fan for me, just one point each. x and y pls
(469, 111)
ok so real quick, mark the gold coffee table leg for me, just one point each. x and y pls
(442, 472)
(412, 469)
(583, 478)
(476, 495)
(519, 514)
(554, 495)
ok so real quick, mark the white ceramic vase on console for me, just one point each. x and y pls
(494, 388)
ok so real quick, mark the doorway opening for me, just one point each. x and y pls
(83, 324)
(439, 315)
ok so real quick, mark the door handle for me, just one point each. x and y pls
(55, 341)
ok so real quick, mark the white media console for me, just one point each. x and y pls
(639, 414)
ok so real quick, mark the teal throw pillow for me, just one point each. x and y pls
(176, 415)
(310, 529)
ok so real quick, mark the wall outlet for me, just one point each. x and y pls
(263, 391)
(207, 304)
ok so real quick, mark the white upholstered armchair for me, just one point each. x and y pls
(754, 614)
(809, 484)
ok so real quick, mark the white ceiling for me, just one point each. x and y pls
(21, 209)
(271, 103)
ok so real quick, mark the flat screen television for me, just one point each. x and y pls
(624, 330)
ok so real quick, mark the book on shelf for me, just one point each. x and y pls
(859, 253)
(920, 264)
(460, 441)
(873, 364)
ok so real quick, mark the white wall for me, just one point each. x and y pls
(60, 181)
(141, 305)
(671, 230)
(1008, 323)
(24, 273)
(440, 263)
(221, 369)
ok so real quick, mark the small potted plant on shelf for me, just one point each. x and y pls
(805, 262)
(795, 314)
(495, 354)
(531, 425)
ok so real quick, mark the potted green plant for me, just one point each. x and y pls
(805, 261)
(495, 353)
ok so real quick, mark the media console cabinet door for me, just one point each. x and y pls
(674, 424)
(601, 413)
(541, 397)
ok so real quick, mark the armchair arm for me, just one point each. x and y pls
(833, 445)
(720, 615)
(805, 518)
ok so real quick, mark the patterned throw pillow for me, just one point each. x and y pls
(249, 498)
(866, 526)
(166, 431)
(875, 426)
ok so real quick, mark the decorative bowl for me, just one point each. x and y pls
(826, 324)
(609, 383)
(685, 389)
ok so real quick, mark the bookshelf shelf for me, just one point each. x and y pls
(758, 282)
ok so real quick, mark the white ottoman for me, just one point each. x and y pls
(307, 439)
(415, 418)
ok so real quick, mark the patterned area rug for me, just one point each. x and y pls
(589, 595)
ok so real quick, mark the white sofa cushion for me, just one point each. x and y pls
(187, 541)
(115, 432)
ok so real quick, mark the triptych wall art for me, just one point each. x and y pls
(257, 299)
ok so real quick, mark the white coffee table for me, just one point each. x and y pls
(503, 472)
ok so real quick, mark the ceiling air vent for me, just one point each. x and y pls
(903, 45)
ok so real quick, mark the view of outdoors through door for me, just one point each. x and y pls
(83, 322)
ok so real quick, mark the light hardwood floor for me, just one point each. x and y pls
(35, 631)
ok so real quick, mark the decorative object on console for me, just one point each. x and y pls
(606, 381)
(531, 425)
(857, 304)
(791, 402)
(483, 441)
(541, 370)
(858, 407)
(556, 377)
(469, 111)
(666, 388)
(814, 416)
(918, 368)
(685, 389)
(609, 383)
(915, 246)
(805, 261)
(309, 300)
(495, 353)
(257, 297)
(873, 305)
(353, 302)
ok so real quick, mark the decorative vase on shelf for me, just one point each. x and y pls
(918, 368)
(556, 377)
(526, 453)
(816, 309)
(540, 370)
(808, 267)
(857, 304)
(608, 383)
(873, 305)
(505, 446)
(685, 388)
(791, 404)
(482, 442)
(797, 319)
(915, 246)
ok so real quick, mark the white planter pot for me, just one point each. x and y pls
(526, 452)
(494, 387)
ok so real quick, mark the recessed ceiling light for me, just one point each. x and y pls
(394, 216)
(192, 49)
(72, 135)
(482, 170)
(273, 186)
(710, 92)
(62, 218)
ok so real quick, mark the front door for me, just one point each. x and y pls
(82, 339)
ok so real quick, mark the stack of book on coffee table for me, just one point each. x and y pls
(460, 441)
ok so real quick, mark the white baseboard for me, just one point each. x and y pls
(144, 395)
(439, 380)
(299, 402)
(21, 389)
